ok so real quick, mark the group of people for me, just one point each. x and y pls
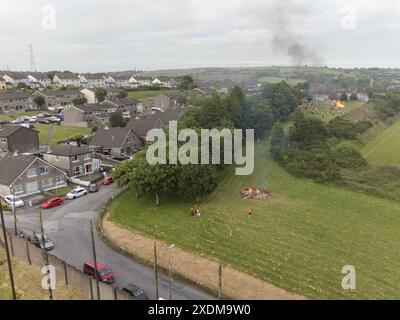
(195, 211)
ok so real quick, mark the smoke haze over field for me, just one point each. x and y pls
(102, 35)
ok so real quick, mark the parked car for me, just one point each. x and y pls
(18, 121)
(37, 240)
(93, 187)
(4, 122)
(32, 119)
(76, 193)
(107, 181)
(13, 200)
(44, 121)
(52, 202)
(104, 272)
(54, 120)
(27, 125)
(135, 292)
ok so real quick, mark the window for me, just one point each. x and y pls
(43, 170)
(77, 170)
(31, 172)
(59, 179)
(87, 156)
(74, 158)
(47, 182)
(18, 188)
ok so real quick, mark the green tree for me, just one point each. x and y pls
(344, 97)
(117, 120)
(122, 94)
(39, 101)
(181, 100)
(353, 97)
(79, 101)
(146, 178)
(100, 94)
(279, 141)
(195, 181)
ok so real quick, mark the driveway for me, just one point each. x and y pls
(69, 227)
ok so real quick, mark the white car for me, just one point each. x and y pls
(10, 200)
(76, 193)
(33, 119)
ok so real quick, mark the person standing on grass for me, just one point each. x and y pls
(249, 213)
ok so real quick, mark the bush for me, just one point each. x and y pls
(346, 156)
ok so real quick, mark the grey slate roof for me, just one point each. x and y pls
(67, 76)
(59, 93)
(110, 138)
(14, 95)
(7, 130)
(12, 166)
(67, 150)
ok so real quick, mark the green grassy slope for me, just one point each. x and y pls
(299, 239)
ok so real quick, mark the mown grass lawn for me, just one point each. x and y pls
(143, 95)
(299, 239)
(59, 132)
(385, 148)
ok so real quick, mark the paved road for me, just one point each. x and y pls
(69, 227)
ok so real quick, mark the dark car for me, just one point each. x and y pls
(93, 187)
(44, 121)
(4, 122)
(107, 181)
(52, 202)
(135, 292)
(37, 240)
(104, 272)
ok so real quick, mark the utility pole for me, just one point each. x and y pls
(33, 64)
(155, 268)
(169, 270)
(220, 281)
(14, 213)
(44, 252)
(95, 261)
(10, 272)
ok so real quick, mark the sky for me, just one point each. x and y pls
(114, 35)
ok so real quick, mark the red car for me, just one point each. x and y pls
(104, 272)
(52, 202)
(107, 181)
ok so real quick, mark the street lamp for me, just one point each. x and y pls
(169, 270)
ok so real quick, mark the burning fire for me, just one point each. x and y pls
(338, 104)
(254, 193)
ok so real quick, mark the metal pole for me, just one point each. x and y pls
(10, 272)
(14, 213)
(95, 261)
(169, 270)
(220, 282)
(45, 254)
(155, 268)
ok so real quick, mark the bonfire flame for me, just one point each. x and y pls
(338, 104)
(254, 193)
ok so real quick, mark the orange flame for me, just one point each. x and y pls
(338, 104)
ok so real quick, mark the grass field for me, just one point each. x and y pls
(326, 115)
(146, 94)
(28, 281)
(59, 132)
(385, 148)
(299, 239)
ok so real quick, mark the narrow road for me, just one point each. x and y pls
(69, 227)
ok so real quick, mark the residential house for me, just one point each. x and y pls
(24, 175)
(90, 95)
(16, 77)
(165, 82)
(123, 81)
(158, 120)
(93, 80)
(142, 81)
(89, 115)
(115, 142)
(73, 160)
(40, 79)
(126, 106)
(64, 79)
(16, 101)
(164, 101)
(59, 99)
(3, 84)
(15, 138)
